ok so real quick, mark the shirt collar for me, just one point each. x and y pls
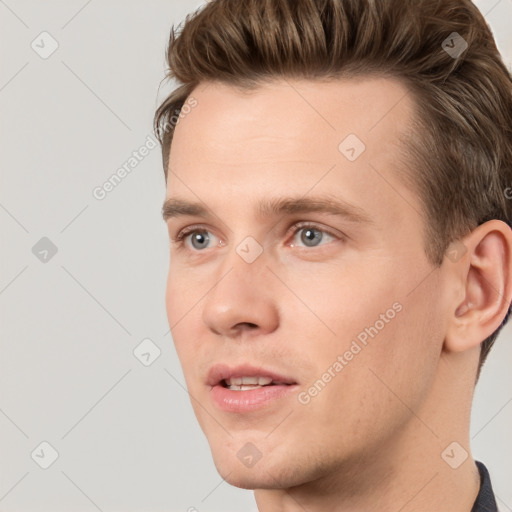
(485, 501)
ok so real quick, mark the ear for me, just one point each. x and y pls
(480, 266)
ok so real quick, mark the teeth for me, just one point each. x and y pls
(243, 388)
(248, 381)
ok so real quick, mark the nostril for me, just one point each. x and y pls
(249, 325)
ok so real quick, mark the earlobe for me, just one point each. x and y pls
(484, 275)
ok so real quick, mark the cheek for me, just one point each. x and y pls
(412, 342)
(171, 299)
(342, 300)
(364, 403)
(181, 303)
(183, 295)
(398, 365)
(388, 337)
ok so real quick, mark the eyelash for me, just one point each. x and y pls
(179, 240)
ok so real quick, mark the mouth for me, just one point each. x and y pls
(246, 388)
(245, 375)
(247, 383)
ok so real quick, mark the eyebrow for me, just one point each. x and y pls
(176, 207)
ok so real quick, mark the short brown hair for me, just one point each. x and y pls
(463, 158)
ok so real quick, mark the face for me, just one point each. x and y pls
(302, 268)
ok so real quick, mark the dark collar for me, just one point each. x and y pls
(485, 501)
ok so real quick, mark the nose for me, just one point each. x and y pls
(243, 302)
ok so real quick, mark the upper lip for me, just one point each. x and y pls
(219, 372)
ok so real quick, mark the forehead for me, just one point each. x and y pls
(300, 121)
(286, 137)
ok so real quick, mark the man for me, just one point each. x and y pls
(341, 251)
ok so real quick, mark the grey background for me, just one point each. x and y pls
(125, 432)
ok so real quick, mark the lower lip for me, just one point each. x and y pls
(249, 400)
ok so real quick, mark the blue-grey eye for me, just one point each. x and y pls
(199, 239)
(311, 237)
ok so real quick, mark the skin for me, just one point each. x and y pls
(372, 439)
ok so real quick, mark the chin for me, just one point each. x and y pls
(244, 481)
(255, 479)
(265, 474)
